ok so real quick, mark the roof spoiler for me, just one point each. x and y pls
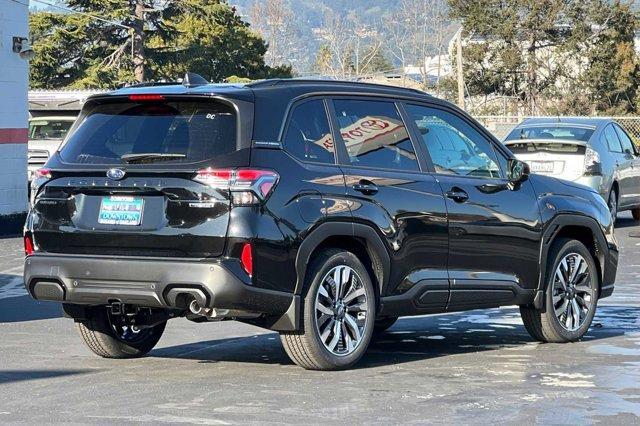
(192, 79)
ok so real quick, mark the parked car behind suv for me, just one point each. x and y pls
(596, 152)
(321, 210)
(45, 136)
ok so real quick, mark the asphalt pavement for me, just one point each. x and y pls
(476, 367)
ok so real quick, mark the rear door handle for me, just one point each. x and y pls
(366, 187)
(458, 195)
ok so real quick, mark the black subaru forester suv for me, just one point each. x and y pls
(323, 210)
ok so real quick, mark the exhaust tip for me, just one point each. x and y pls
(194, 307)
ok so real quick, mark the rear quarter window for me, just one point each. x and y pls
(195, 131)
(308, 136)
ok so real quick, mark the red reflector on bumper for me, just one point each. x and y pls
(28, 246)
(246, 258)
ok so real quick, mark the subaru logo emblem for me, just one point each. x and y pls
(115, 174)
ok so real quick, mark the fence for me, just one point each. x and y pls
(501, 125)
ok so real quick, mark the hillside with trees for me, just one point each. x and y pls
(343, 38)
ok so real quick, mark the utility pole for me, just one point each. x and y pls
(459, 69)
(137, 41)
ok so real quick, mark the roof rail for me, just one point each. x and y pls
(277, 81)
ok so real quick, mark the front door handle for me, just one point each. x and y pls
(458, 195)
(366, 187)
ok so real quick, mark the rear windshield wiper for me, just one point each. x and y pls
(150, 157)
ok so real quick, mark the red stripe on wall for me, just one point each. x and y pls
(13, 135)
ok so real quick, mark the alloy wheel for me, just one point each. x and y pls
(341, 310)
(573, 295)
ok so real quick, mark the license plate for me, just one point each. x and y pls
(121, 210)
(542, 166)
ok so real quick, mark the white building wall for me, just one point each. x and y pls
(14, 77)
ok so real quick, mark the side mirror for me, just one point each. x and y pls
(518, 171)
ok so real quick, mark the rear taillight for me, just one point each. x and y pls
(592, 165)
(247, 186)
(28, 245)
(42, 174)
(246, 258)
(147, 97)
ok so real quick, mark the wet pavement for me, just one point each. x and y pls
(474, 367)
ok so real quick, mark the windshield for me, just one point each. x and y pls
(49, 129)
(173, 132)
(552, 131)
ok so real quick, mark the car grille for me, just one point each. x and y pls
(37, 158)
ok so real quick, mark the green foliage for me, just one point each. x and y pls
(555, 56)
(377, 62)
(203, 36)
(236, 79)
(324, 58)
(614, 71)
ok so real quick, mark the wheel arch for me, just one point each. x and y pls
(581, 228)
(362, 240)
(358, 238)
(615, 186)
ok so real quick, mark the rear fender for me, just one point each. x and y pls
(551, 232)
(291, 320)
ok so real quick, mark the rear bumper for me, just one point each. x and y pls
(146, 282)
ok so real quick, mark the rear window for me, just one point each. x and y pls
(175, 132)
(573, 133)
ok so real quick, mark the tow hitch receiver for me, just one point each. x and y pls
(119, 308)
(116, 308)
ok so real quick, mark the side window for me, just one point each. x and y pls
(612, 139)
(308, 136)
(625, 141)
(374, 135)
(455, 147)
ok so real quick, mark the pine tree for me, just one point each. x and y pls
(148, 40)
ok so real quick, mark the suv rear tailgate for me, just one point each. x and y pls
(177, 217)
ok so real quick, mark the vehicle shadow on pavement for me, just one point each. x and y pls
(24, 308)
(625, 222)
(410, 339)
(11, 376)
(17, 306)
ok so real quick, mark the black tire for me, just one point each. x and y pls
(545, 326)
(100, 336)
(636, 214)
(383, 324)
(305, 346)
(613, 204)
